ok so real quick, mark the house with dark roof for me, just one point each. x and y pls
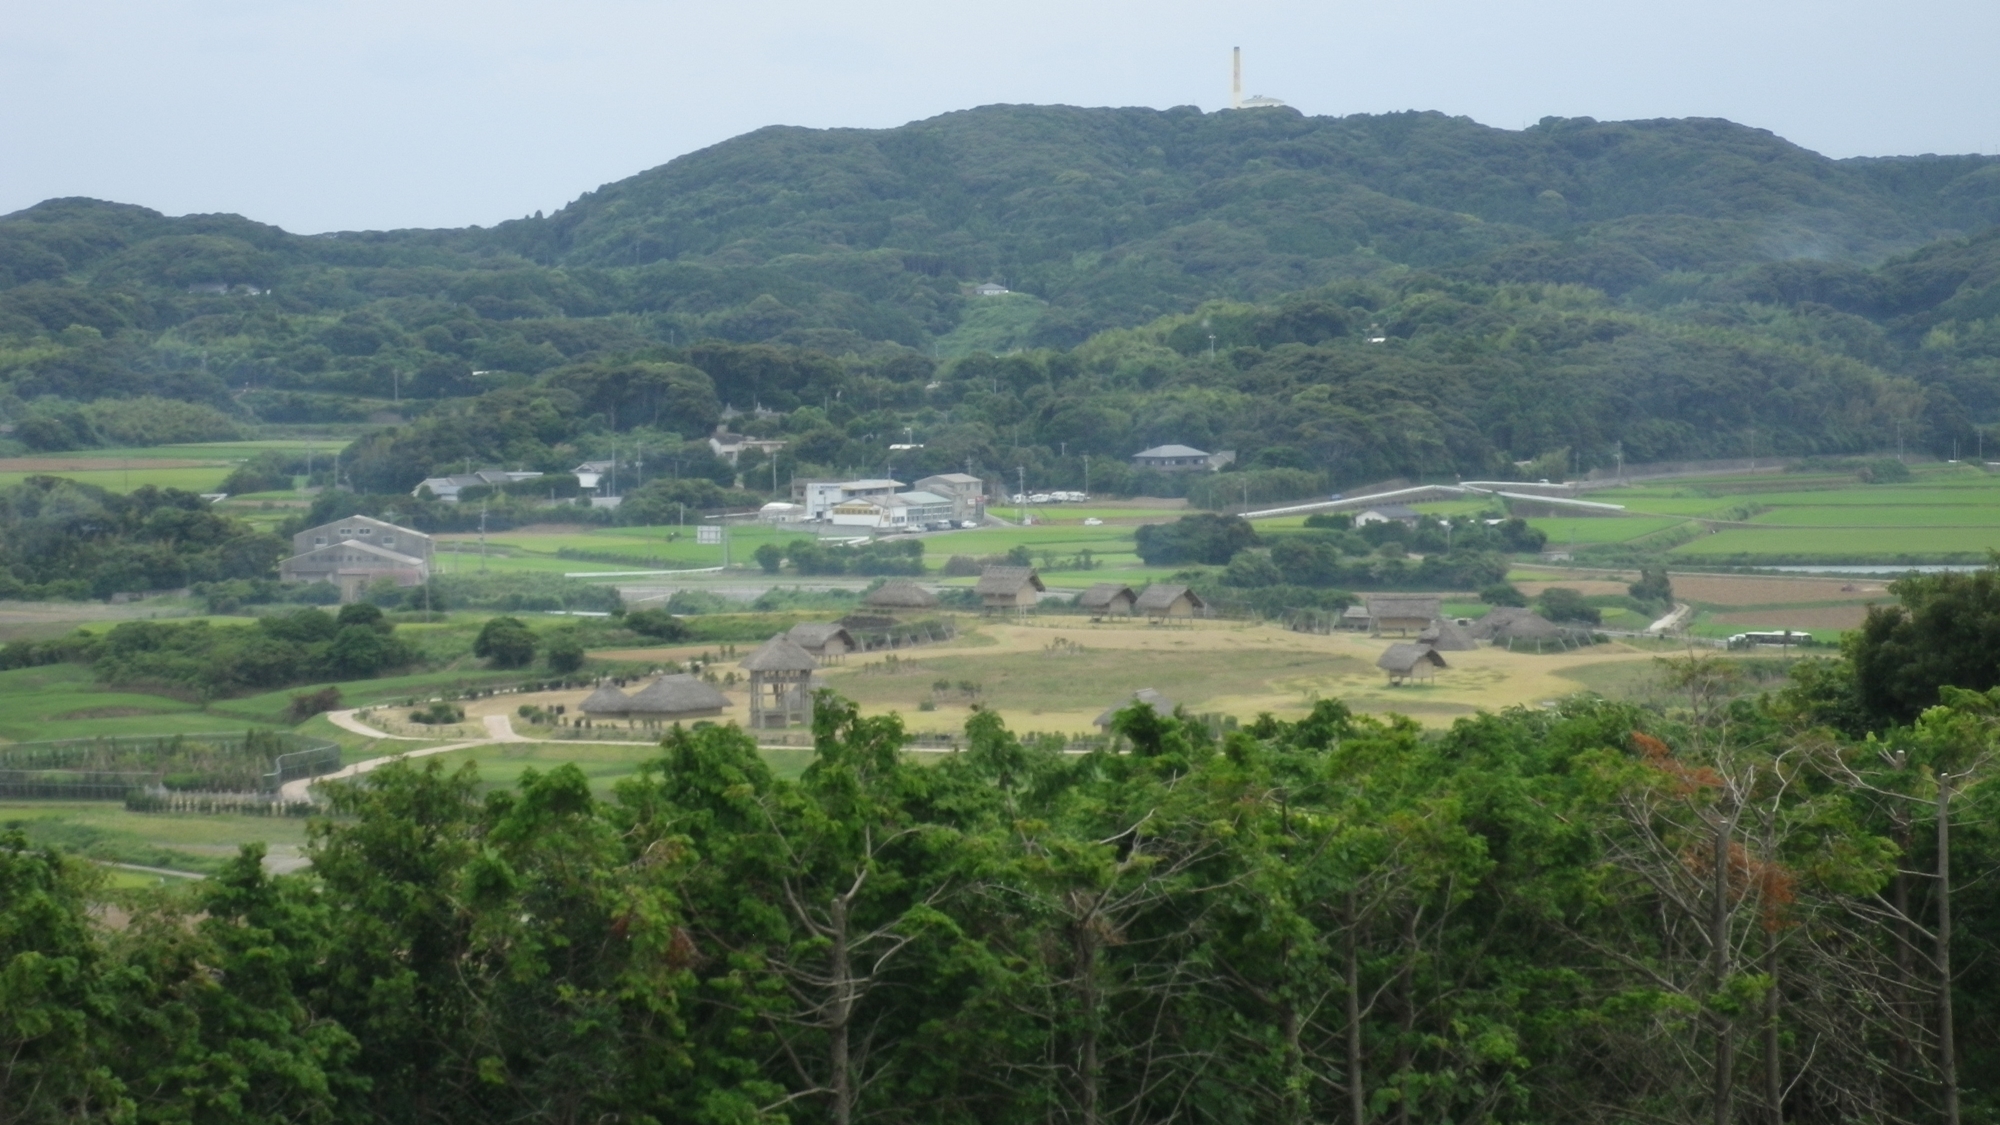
(1107, 599)
(1162, 601)
(1009, 587)
(1410, 661)
(1387, 513)
(1180, 459)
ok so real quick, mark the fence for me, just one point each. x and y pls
(159, 800)
(253, 764)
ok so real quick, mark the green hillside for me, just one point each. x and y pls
(1566, 293)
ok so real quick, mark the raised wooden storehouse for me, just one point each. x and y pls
(1161, 601)
(1107, 599)
(1410, 661)
(827, 642)
(780, 683)
(1160, 704)
(897, 597)
(1003, 588)
(1355, 617)
(1401, 613)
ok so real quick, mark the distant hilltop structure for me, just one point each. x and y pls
(1236, 98)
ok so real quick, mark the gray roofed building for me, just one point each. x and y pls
(352, 565)
(1386, 513)
(780, 683)
(1160, 704)
(1410, 661)
(900, 595)
(1179, 459)
(1108, 598)
(1354, 617)
(365, 529)
(1162, 600)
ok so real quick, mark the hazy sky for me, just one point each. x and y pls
(359, 114)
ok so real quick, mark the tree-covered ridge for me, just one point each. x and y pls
(1694, 283)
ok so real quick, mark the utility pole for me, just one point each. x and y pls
(1022, 513)
(1618, 450)
(482, 537)
(1086, 474)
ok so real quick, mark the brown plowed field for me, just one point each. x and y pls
(1751, 589)
(1820, 617)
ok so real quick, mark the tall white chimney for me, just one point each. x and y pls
(1236, 78)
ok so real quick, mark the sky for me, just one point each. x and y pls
(322, 115)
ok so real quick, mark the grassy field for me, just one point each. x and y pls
(103, 830)
(1592, 529)
(196, 467)
(1901, 544)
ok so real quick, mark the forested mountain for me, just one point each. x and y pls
(1665, 288)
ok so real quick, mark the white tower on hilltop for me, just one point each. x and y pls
(1236, 98)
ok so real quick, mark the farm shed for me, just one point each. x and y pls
(1107, 599)
(1009, 587)
(1355, 617)
(1410, 661)
(1160, 704)
(827, 642)
(1402, 613)
(1161, 601)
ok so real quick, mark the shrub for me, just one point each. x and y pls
(565, 653)
(306, 704)
(1560, 603)
(1503, 593)
(439, 713)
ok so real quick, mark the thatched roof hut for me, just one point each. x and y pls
(1107, 598)
(1410, 661)
(682, 696)
(1161, 600)
(1160, 704)
(1402, 613)
(1445, 635)
(779, 654)
(900, 595)
(827, 641)
(606, 700)
(1009, 587)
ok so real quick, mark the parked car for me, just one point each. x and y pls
(1093, 521)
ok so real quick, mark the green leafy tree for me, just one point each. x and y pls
(505, 641)
(769, 557)
(565, 652)
(1560, 603)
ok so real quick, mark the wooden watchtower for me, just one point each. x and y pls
(780, 683)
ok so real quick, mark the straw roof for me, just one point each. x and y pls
(1007, 580)
(779, 654)
(1445, 635)
(1496, 619)
(814, 635)
(1160, 597)
(1160, 704)
(677, 695)
(1102, 595)
(900, 595)
(1402, 659)
(1510, 623)
(605, 700)
(1426, 606)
